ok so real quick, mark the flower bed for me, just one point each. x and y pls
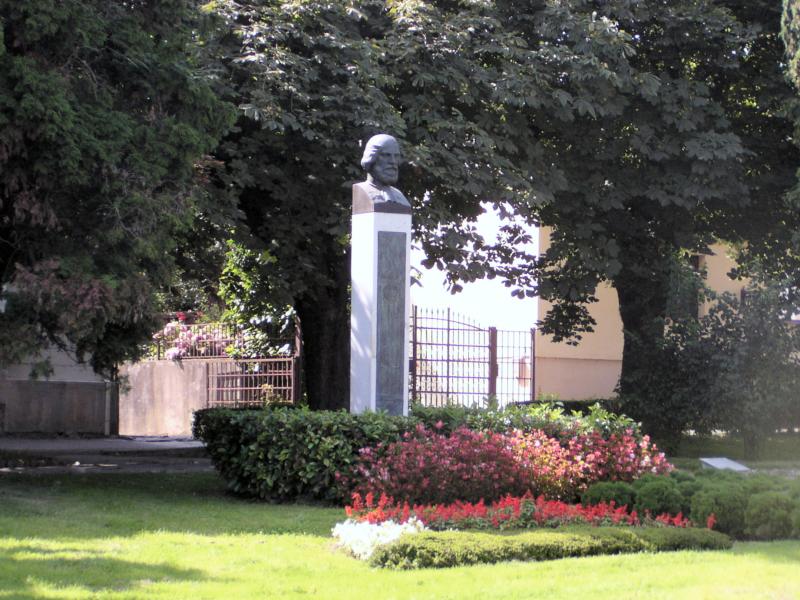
(511, 512)
(429, 467)
(288, 454)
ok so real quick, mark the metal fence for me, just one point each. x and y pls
(454, 360)
(252, 382)
(196, 340)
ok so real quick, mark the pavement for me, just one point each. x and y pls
(122, 454)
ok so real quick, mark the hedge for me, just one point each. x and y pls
(290, 453)
(747, 507)
(455, 548)
(293, 453)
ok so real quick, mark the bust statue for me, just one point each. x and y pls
(381, 161)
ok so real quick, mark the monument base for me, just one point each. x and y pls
(380, 311)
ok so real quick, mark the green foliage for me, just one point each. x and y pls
(457, 548)
(290, 453)
(756, 363)
(736, 368)
(551, 417)
(659, 495)
(726, 501)
(769, 516)
(619, 492)
(105, 118)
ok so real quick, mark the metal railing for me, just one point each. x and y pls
(252, 382)
(196, 340)
(456, 361)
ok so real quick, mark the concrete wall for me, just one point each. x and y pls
(28, 406)
(159, 397)
(73, 399)
(65, 368)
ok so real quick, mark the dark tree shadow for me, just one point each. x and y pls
(92, 571)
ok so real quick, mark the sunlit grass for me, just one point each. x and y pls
(180, 536)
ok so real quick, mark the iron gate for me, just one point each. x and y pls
(456, 361)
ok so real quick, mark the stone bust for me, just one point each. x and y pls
(381, 161)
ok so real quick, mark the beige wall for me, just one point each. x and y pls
(591, 369)
(717, 267)
(65, 368)
(160, 397)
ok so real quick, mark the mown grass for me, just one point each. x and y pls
(181, 536)
(778, 451)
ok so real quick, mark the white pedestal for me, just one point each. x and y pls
(380, 262)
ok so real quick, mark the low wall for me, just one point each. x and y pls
(28, 406)
(160, 396)
(577, 379)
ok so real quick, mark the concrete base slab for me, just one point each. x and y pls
(723, 464)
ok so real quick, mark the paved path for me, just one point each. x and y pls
(135, 454)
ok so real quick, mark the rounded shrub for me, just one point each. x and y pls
(726, 502)
(619, 492)
(759, 483)
(681, 475)
(657, 496)
(688, 489)
(796, 521)
(769, 516)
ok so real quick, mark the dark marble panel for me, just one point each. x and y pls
(391, 297)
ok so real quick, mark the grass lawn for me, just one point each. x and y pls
(779, 452)
(180, 536)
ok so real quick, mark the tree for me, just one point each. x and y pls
(698, 149)
(104, 122)
(457, 82)
(756, 363)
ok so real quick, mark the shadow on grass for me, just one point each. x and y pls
(26, 566)
(99, 505)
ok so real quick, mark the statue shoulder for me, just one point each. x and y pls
(366, 194)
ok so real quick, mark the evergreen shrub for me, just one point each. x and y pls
(619, 492)
(726, 502)
(769, 516)
(657, 496)
(290, 453)
(455, 548)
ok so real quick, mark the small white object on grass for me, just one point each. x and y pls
(723, 463)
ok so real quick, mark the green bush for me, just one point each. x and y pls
(682, 476)
(688, 489)
(726, 502)
(621, 493)
(796, 522)
(454, 548)
(282, 453)
(551, 417)
(769, 516)
(288, 454)
(657, 496)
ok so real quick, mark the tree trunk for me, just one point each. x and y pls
(643, 288)
(642, 295)
(325, 322)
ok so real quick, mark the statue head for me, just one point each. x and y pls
(381, 160)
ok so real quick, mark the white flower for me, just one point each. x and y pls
(361, 539)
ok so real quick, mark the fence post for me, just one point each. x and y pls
(493, 361)
(447, 362)
(297, 361)
(413, 365)
(533, 364)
